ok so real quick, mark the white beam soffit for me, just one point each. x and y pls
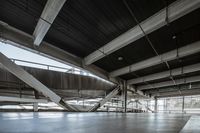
(32, 81)
(191, 86)
(24, 100)
(23, 40)
(175, 10)
(168, 56)
(170, 83)
(165, 74)
(47, 17)
(187, 92)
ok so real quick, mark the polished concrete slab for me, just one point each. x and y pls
(63, 122)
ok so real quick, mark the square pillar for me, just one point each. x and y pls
(156, 106)
(183, 104)
(35, 107)
(124, 96)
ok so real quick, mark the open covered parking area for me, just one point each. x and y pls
(99, 66)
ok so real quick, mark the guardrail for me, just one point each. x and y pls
(49, 67)
(71, 70)
(180, 111)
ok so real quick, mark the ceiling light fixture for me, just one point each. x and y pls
(174, 37)
(120, 58)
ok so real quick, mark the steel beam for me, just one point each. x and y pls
(23, 40)
(175, 10)
(186, 92)
(24, 100)
(165, 74)
(183, 104)
(168, 56)
(32, 82)
(173, 88)
(170, 83)
(107, 98)
(47, 17)
(35, 107)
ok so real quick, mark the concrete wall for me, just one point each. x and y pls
(59, 80)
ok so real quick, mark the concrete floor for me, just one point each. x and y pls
(62, 122)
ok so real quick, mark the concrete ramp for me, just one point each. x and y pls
(192, 126)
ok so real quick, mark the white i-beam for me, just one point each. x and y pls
(165, 74)
(168, 56)
(49, 13)
(175, 10)
(170, 83)
(32, 82)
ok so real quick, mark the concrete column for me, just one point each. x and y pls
(121, 97)
(35, 107)
(136, 102)
(165, 104)
(156, 105)
(147, 104)
(107, 109)
(132, 106)
(124, 96)
(117, 105)
(166, 107)
(183, 104)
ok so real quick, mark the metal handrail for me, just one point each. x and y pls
(71, 70)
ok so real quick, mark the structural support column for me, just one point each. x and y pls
(136, 102)
(180, 81)
(156, 106)
(35, 105)
(183, 104)
(124, 96)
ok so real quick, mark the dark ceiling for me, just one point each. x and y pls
(22, 14)
(185, 30)
(83, 26)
